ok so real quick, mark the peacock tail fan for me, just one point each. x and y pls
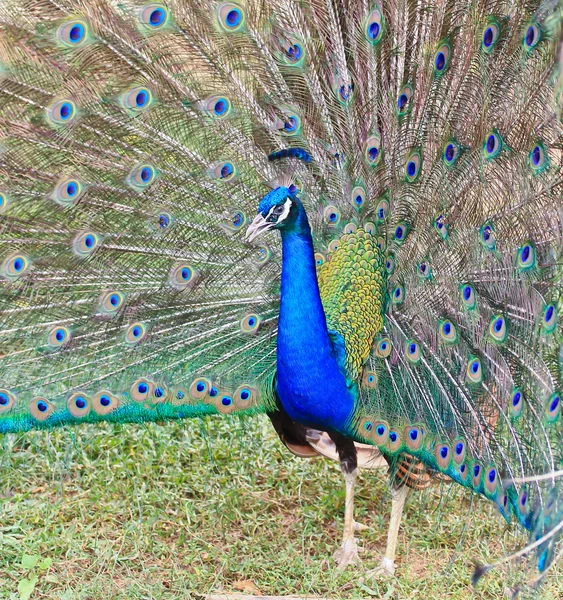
(425, 142)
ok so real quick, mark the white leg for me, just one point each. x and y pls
(347, 554)
(387, 566)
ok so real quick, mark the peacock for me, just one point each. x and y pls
(344, 214)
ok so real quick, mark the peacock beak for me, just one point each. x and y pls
(257, 227)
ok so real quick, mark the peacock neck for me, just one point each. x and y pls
(301, 311)
(310, 383)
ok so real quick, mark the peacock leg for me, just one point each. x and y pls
(387, 566)
(347, 554)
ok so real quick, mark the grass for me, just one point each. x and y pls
(185, 509)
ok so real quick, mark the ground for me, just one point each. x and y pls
(184, 509)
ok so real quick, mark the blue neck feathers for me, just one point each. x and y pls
(310, 383)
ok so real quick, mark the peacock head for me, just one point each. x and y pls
(277, 210)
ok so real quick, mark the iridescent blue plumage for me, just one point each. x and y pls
(402, 289)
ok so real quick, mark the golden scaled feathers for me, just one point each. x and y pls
(352, 286)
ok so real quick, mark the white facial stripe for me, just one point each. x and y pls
(286, 209)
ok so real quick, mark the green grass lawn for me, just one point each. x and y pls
(186, 509)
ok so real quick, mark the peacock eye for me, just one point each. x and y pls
(230, 16)
(532, 36)
(153, 16)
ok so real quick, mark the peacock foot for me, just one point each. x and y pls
(386, 569)
(347, 554)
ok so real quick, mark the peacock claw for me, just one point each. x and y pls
(347, 554)
(360, 526)
(386, 569)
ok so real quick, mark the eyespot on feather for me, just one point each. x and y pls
(4, 202)
(61, 112)
(451, 153)
(358, 196)
(142, 176)
(549, 318)
(394, 441)
(40, 409)
(374, 26)
(487, 236)
(291, 125)
(292, 50)
(423, 270)
(490, 35)
(442, 58)
(159, 394)
(443, 455)
(474, 371)
(331, 215)
(319, 259)
(463, 470)
(72, 33)
(491, 480)
(498, 329)
(398, 295)
(78, 405)
(263, 255)
(538, 158)
(365, 427)
(135, 333)
(217, 107)
(516, 403)
(412, 352)
(390, 263)
(141, 390)
(223, 402)
(413, 166)
(523, 502)
(370, 228)
(553, 408)
(532, 36)
(382, 210)
(111, 302)
(468, 297)
(493, 145)
(67, 192)
(245, 396)
(526, 257)
(179, 395)
(225, 171)
(414, 437)
(237, 222)
(182, 276)
(403, 100)
(104, 402)
(380, 433)
(383, 348)
(230, 16)
(137, 99)
(476, 476)
(334, 245)
(250, 323)
(154, 16)
(401, 232)
(58, 337)
(15, 266)
(7, 401)
(369, 379)
(448, 331)
(199, 388)
(372, 150)
(458, 451)
(350, 228)
(85, 243)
